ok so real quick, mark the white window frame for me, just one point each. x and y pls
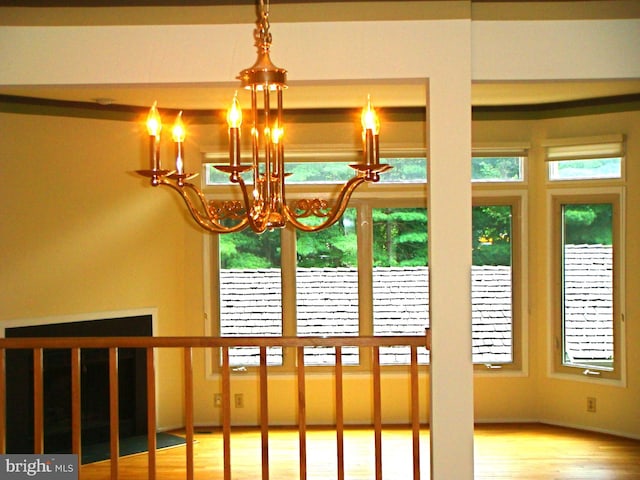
(517, 198)
(504, 149)
(366, 198)
(555, 367)
(584, 148)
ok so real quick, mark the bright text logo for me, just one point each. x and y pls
(42, 467)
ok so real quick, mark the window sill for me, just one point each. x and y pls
(579, 376)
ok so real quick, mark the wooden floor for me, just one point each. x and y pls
(520, 451)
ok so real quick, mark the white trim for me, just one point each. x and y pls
(554, 423)
(169, 428)
(81, 317)
(592, 379)
(588, 428)
(508, 420)
(88, 317)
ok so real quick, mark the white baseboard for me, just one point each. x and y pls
(591, 429)
(168, 428)
(505, 420)
(511, 421)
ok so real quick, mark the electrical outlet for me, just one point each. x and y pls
(238, 400)
(217, 400)
(591, 404)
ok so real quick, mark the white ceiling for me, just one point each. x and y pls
(305, 95)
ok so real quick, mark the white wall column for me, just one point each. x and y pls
(449, 207)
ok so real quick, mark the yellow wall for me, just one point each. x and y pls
(561, 401)
(81, 234)
(542, 397)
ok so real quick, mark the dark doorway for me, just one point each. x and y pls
(94, 385)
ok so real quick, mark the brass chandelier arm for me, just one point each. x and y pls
(333, 215)
(206, 220)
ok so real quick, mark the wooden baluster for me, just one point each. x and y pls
(226, 412)
(339, 414)
(151, 414)
(302, 414)
(114, 415)
(187, 345)
(188, 408)
(264, 413)
(415, 412)
(76, 397)
(38, 402)
(3, 404)
(377, 411)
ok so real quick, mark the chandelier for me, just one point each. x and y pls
(263, 205)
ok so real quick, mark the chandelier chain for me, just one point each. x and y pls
(263, 35)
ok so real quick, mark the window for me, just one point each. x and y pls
(595, 158)
(496, 292)
(498, 165)
(496, 169)
(400, 278)
(405, 170)
(492, 289)
(598, 168)
(250, 292)
(587, 268)
(372, 269)
(587, 333)
(327, 288)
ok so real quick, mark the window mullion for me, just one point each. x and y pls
(365, 269)
(288, 273)
(365, 278)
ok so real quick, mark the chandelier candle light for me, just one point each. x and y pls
(263, 206)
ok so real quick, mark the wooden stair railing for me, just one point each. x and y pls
(187, 344)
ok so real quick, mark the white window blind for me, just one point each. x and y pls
(501, 149)
(584, 148)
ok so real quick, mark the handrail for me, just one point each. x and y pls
(210, 342)
(187, 344)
